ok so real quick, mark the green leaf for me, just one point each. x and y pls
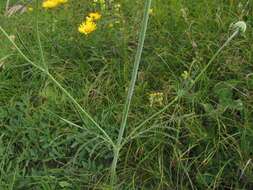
(64, 184)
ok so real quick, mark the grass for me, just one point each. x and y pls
(61, 126)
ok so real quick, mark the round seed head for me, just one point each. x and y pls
(241, 26)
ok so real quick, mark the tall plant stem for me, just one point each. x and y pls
(130, 90)
(7, 5)
(235, 33)
(38, 37)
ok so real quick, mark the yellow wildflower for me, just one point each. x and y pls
(30, 9)
(185, 75)
(151, 12)
(62, 1)
(48, 4)
(89, 19)
(95, 16)
(156, 98)
(87, 27)
(89, 24)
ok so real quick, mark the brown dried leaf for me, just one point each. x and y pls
(15, 9)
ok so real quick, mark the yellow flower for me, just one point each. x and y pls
(151, 11)
(89, 19)
(185, 75)
(30, 9)
(87, 27)
(89, 24)
(62, 1)
(156, 98)
(95, 16)
(50, 4)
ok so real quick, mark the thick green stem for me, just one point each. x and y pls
(130, 91)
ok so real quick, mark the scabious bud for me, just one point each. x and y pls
(240, 26)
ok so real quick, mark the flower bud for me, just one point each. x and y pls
(240, 26)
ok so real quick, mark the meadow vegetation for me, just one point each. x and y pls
(126, 95)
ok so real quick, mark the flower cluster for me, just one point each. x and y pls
(156, 98)
(185, 75)
(89, 25)
(48, 4)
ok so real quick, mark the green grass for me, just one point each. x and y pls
(200, 138)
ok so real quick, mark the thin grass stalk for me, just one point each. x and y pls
(235, 33)
(7, 5)
(130, 90)
(38, 37)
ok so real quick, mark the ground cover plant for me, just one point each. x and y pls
(124, 94)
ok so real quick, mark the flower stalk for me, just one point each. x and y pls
(130, 91)
(239, 28)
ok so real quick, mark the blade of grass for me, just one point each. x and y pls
(77, 126)
(38, 37)
(7, 5)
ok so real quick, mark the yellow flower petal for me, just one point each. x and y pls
(95, 16)
(87, 27)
